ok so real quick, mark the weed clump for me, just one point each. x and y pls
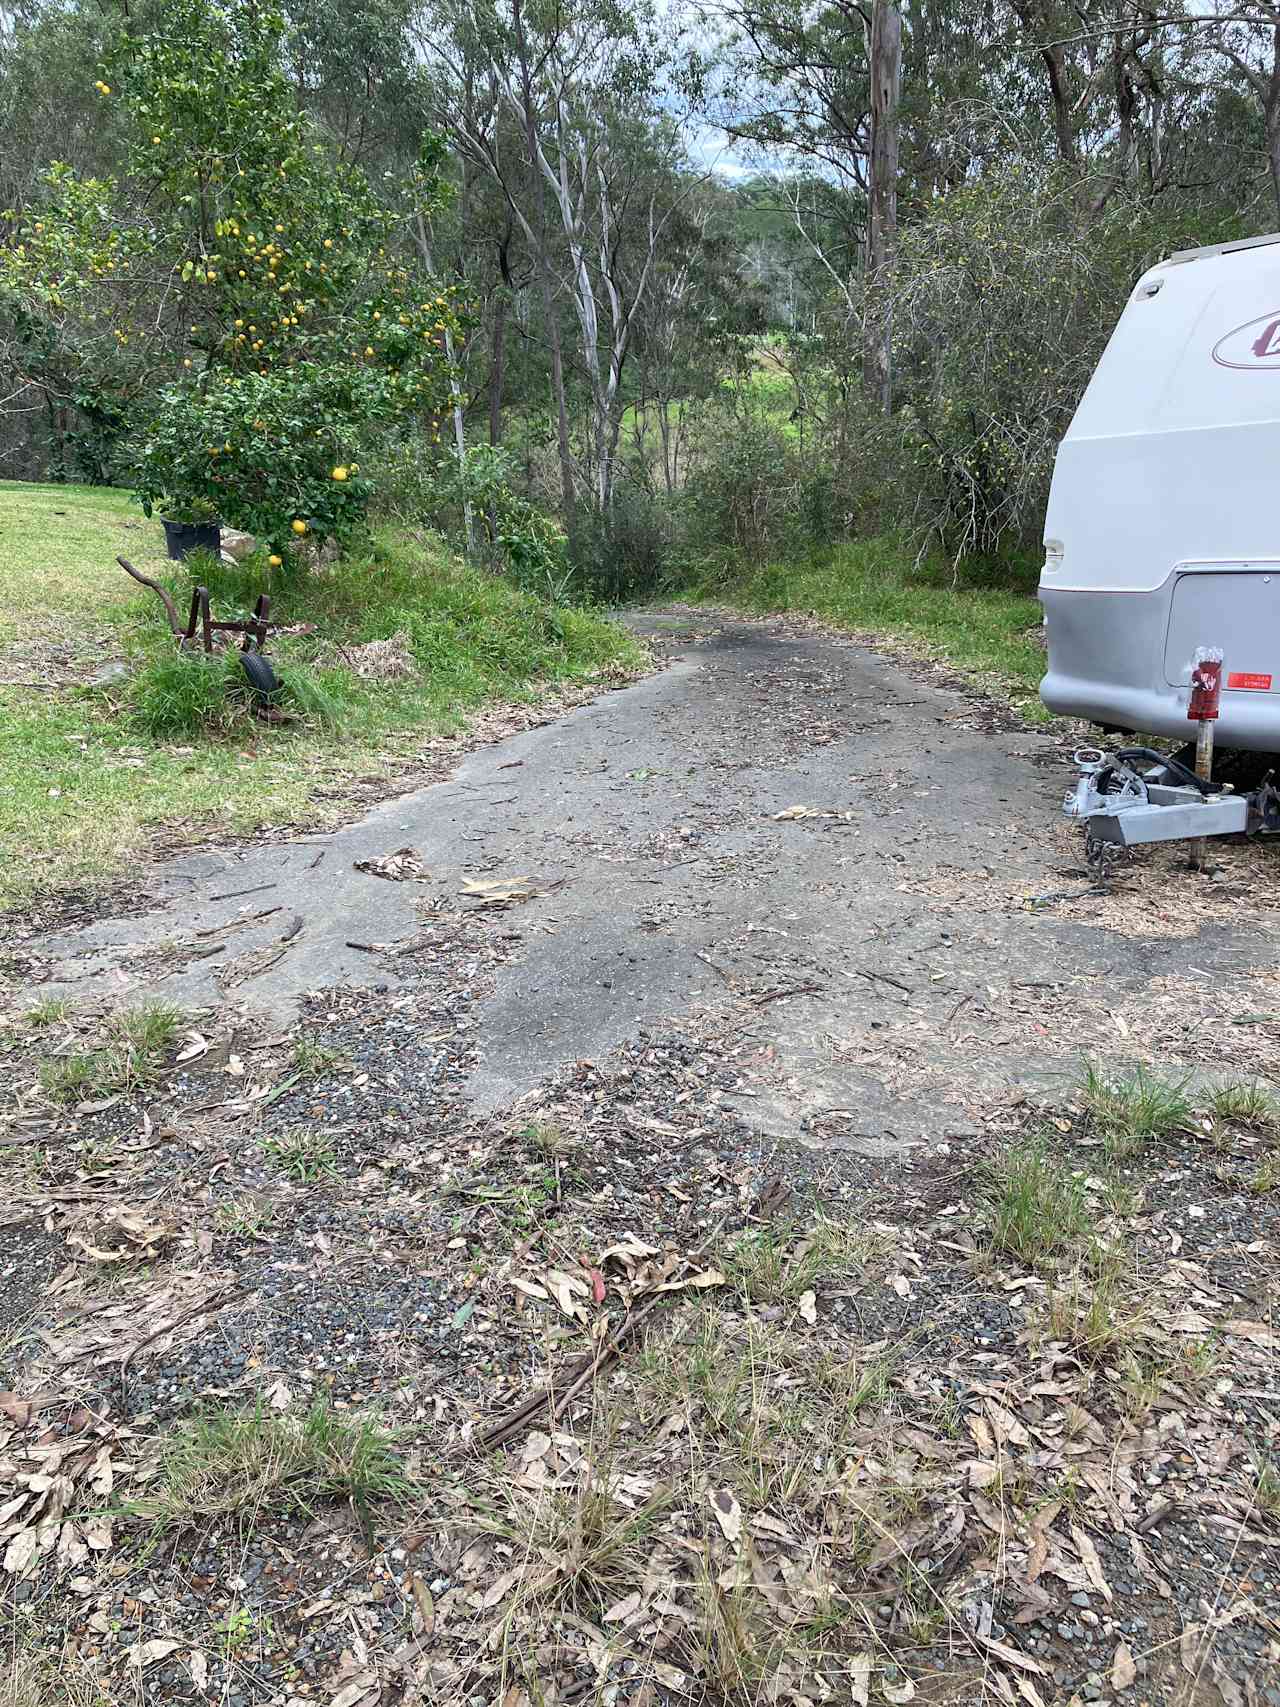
(225, 1463)
(186, 694)
(137, 1041)
(304, 1153)
(1129, 1110)
(1033, 1205)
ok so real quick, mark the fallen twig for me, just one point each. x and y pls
(235, 894)
(588, 1370)
(720, 969)
(206, 1309)
(884, 978)
(591, 1365)
(791, 990)
(238, 924)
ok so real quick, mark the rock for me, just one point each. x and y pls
(236, 545)
(109, 674)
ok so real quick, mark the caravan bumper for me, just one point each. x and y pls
(1107, 665)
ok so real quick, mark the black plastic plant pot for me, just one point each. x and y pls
(182, 538)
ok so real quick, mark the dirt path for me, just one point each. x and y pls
(728, 1031)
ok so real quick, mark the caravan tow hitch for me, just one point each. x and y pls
(1163, 802)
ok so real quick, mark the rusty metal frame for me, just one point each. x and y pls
(254, 630)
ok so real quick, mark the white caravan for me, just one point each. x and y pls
(1163, 528)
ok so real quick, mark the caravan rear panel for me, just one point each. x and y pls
(1163, 529)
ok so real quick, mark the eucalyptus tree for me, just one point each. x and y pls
(567, 113)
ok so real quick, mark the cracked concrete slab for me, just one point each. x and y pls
(756, 827)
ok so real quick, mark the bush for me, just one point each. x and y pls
(750, 493)
(429, 486)
(625, 553)
(235, 241)
(1003, 299)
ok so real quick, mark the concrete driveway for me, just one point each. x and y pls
(861, 872)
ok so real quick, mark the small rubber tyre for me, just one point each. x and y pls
(261, 677)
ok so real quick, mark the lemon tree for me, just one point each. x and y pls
(240, 294)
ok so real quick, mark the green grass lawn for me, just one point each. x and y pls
(989, 630)
(86, 783)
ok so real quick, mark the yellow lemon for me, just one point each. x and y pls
(368, 349)
(299, 527)
(155, 139)
(328, 242)
(339, 474)
(239, 322)
(274, 560)
(355, 468)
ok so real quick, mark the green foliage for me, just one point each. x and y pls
(1266, 1487)
(303, 1153)
(131, 1053)
(275, 454)
(225, 1463)
(184, 693)
(50, 1010)
(1129, 1109)
(624, 554)
(425, 484)
(1003, 298)
(177, 695)
(1244, 1102)
(237, 248)
(1033, 1204)
(742, 493)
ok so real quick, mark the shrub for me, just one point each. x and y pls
(426, 485)
(623, 554)
(1003, 299)
(276, 454)
(742, 491)
(236, 248)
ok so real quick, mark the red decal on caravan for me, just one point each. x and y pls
(1248, 679)
(1256, 344)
